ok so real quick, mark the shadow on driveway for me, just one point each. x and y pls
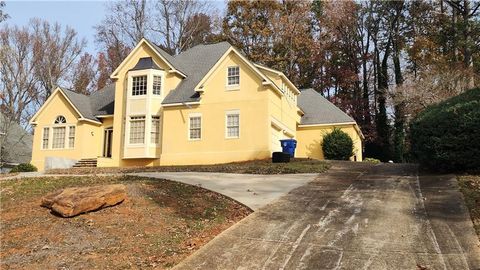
(355, 216)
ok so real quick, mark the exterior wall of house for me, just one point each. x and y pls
(282, 110)
(170, 81)
(250, 100)
(88, 136)
(309, 141)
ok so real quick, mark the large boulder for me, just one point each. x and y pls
(70, 202)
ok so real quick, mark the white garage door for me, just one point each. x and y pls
(277, 135)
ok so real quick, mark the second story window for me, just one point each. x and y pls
(157, 85)
(139, 85)
(233, 76)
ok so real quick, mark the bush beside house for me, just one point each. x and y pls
(446, 136)
(24, 167)
(337, 145)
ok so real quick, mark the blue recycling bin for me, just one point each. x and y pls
(288, 146)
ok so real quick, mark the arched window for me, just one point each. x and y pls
(59, 136)
(60, 120)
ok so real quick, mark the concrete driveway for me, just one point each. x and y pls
(252, 190)
(356, 216)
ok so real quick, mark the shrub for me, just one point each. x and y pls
(372, 160)
(24, 167)
(337, 145)
(446, 136)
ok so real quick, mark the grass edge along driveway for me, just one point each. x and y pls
(248, 167)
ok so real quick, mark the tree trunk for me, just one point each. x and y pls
(383, 130)
(399, 107)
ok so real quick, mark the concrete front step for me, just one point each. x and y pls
(86, 163)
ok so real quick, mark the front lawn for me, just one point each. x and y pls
(470, 187)
(159, 224)
(7, 175)
(247, 167)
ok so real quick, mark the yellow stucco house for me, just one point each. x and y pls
(207, 105)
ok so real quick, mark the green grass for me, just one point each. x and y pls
(248, 167)
(470, 187)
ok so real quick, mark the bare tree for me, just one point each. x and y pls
(435, 85)
(83, 77)
(18, 88)
(55, 53)
(126, 23)
(199, 28)
(18, 83)
(467, 10)
(3, 15)
(177, 25)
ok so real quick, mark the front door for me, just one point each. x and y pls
(107, 143)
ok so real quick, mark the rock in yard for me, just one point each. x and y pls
(70, 202)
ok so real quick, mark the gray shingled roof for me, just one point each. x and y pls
(81, 103)
(195, 62)
(318, 110)
(170, 59)
(101, 102)
(145, 63)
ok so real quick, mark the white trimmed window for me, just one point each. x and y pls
(137, 129)
(71, 137)
(195, 127)
(60, 120)
(46, 134)
(139, 85)
(157, 85)
(233, 76)
(155, 132)
(232, 124)
(58, 140)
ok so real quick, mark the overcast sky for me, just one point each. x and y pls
(80, 15)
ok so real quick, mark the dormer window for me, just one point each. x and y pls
(233, 76)
(157, 85)
(139, 85)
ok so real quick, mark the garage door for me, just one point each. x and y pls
(277, 135)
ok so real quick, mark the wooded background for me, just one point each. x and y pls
(382, 62)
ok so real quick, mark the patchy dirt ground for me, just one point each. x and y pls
(159, 224)
(470, 187)
(6, 175)
(252, 167)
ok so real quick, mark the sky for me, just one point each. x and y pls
(80, 15)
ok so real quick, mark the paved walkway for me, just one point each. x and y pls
(252, 190)
(355, 216)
